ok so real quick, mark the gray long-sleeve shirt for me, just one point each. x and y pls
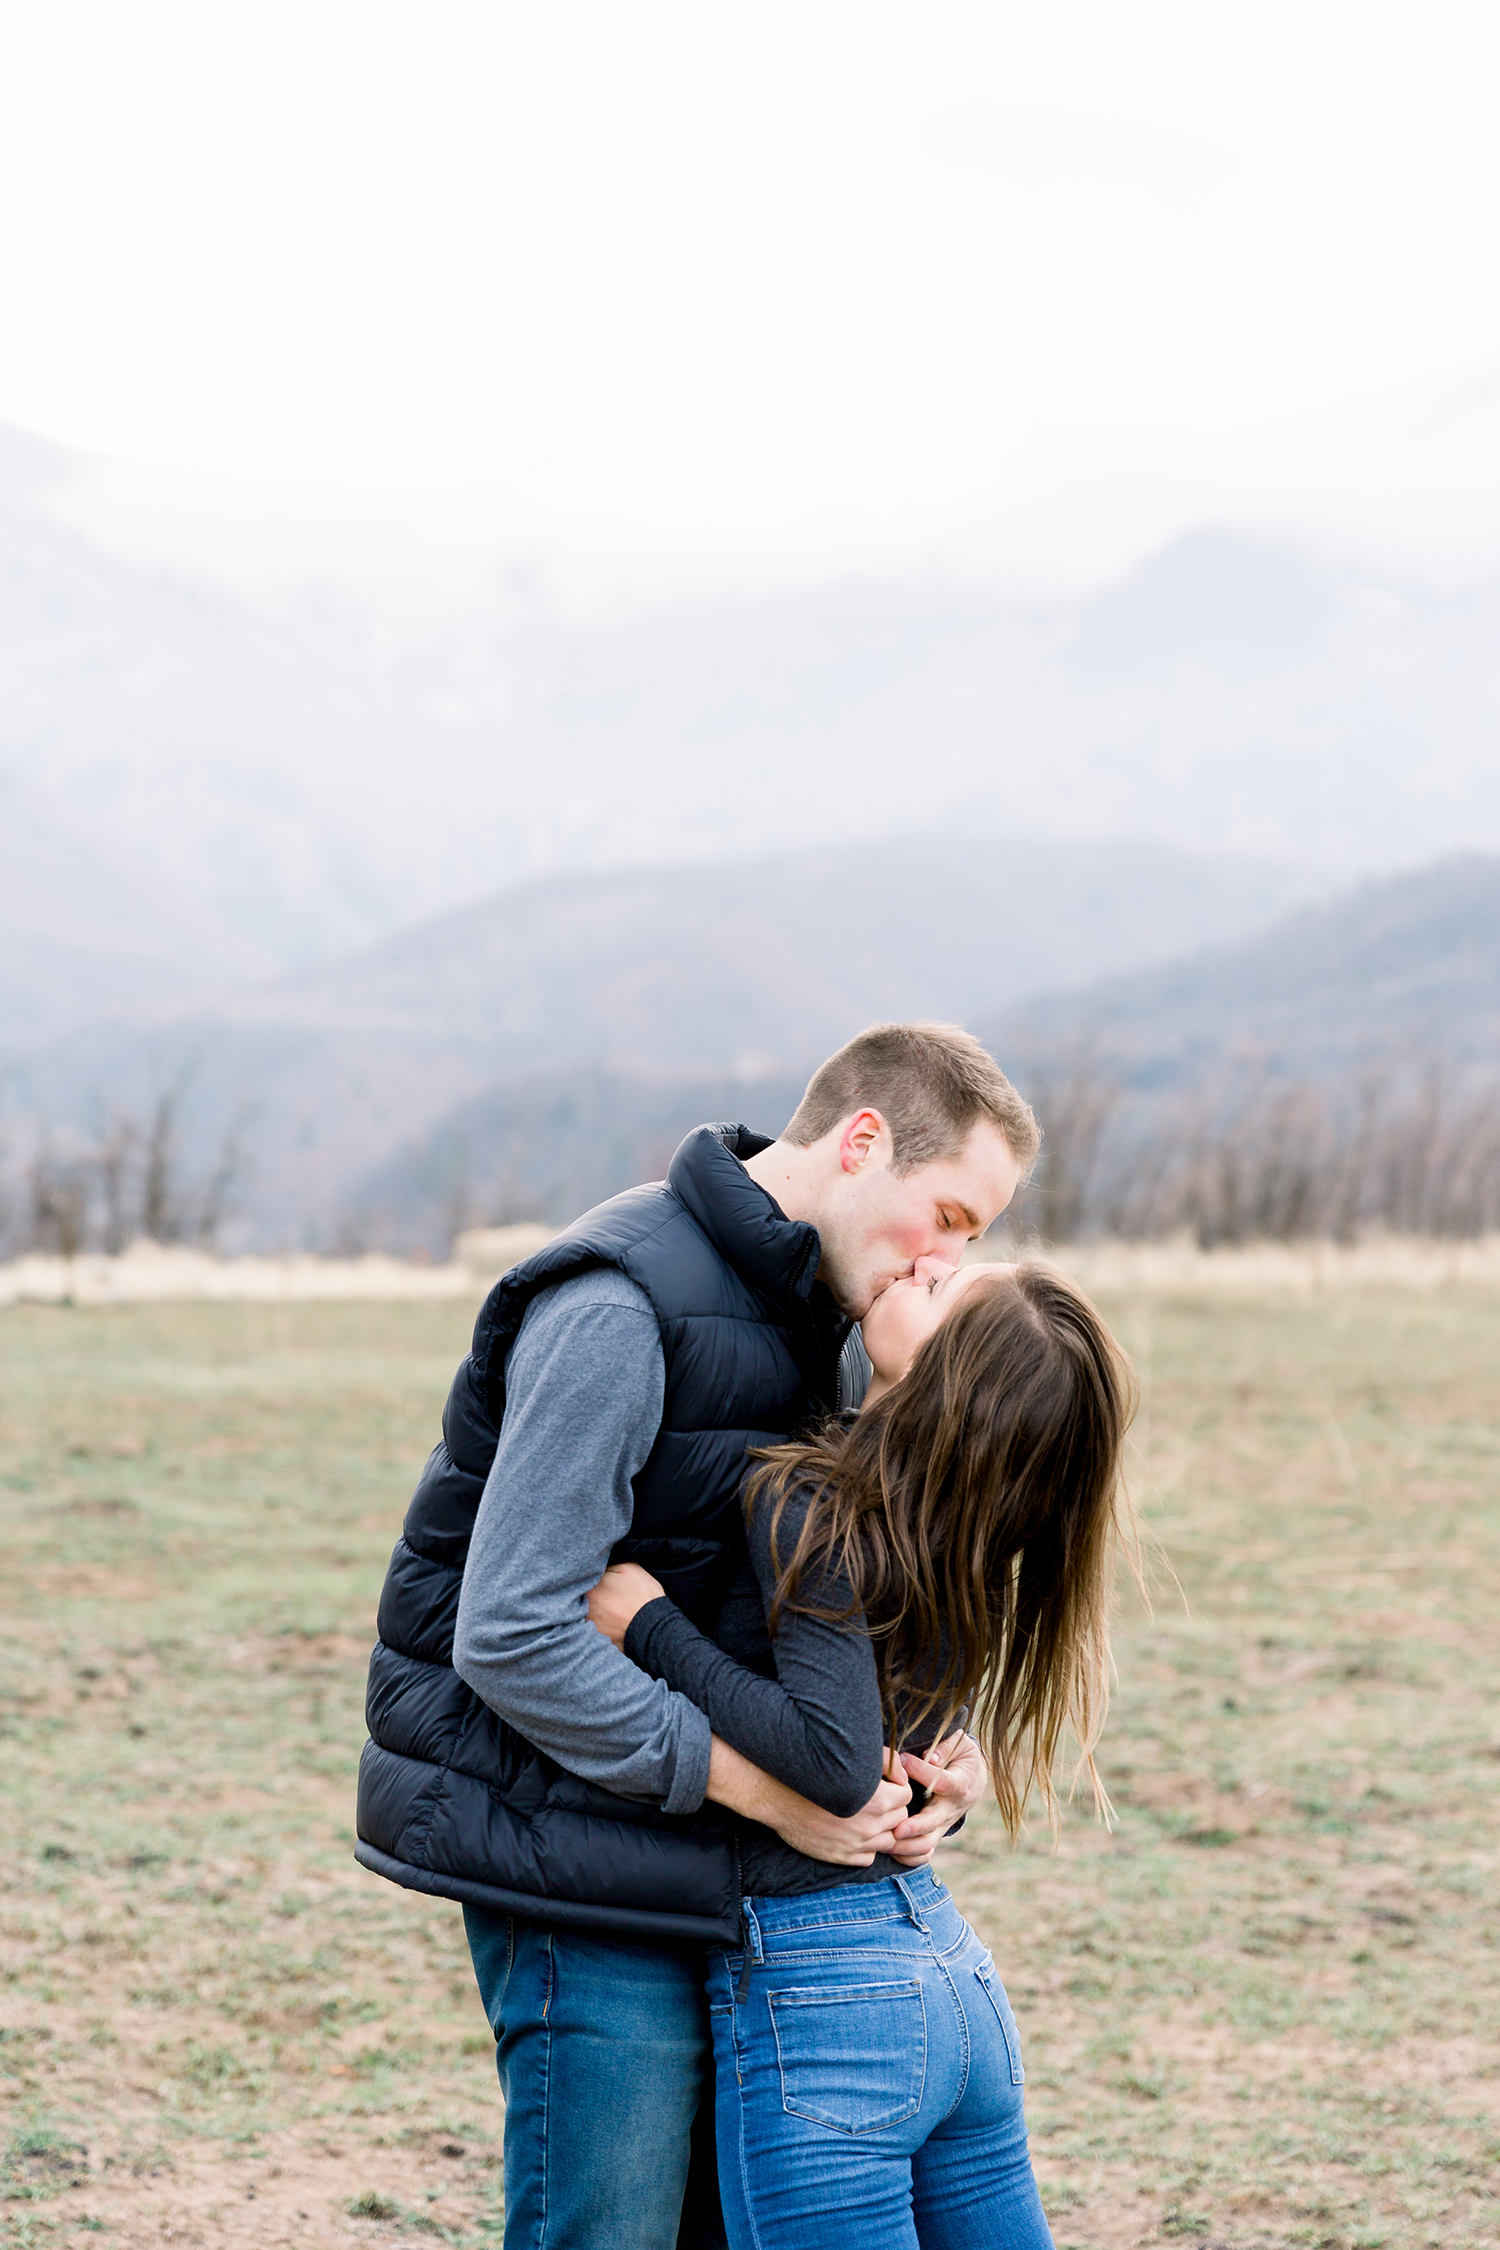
(584, 1386)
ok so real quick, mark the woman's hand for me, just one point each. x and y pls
(851, 1841)
(623, 1589)
(954, 1777)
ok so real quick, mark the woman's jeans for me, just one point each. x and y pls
(869, 2078)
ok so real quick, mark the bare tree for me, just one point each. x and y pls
(115, 1156)
(1271, 1159)
(161, 1217)
(458, 1197)
(59, 1202)
(1074, 1114)
(1353, 1164)
(228, 1168)
(129, 1179)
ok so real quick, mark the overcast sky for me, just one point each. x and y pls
(674, 292)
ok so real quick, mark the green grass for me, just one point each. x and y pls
(1265, 2011)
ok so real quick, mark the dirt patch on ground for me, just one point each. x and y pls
(294, 2191)
(1260, 2015)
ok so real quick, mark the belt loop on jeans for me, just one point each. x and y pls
(912, 1908)
(754, 1949)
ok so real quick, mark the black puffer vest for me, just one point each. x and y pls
(451, 1799)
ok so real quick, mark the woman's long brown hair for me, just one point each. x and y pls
(973, 1509)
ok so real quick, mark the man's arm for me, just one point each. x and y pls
(584, 1389)
(849, 1842)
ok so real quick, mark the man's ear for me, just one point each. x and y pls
(860, 1138)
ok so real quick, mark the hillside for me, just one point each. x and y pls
(1220, 1091)
(548, 1144)
(1394, 974)
(738, 969)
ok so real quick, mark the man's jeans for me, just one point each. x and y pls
(869, 2075)
(604, 2055)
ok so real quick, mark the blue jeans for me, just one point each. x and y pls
(869, 2078)
(603, 2051)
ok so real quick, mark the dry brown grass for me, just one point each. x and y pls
(1263, 2013)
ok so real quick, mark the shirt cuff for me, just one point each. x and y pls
(695, 1741)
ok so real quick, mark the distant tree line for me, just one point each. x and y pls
(1267, 1159)
(1254, 1157)
(1257, 1157)
(125, 1181)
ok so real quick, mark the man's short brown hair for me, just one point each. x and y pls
(931, 1082)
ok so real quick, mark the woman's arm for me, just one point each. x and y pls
(816, 1726)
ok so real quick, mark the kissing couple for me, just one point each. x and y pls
(713, 1611)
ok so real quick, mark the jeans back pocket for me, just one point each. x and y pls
(854, 2056)
(994, 1992)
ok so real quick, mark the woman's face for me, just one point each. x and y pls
(906, 1312)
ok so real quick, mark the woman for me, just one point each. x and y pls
(943, 1556)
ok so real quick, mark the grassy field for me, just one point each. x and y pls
(1265, 2011)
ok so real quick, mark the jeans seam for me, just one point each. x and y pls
(843, 1953)
(546, 2102)
(739, 2086)
(774, 1928)
(963, 2027)
(1012, 2047)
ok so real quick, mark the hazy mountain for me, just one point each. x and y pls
(1386, 982)
(233, 787)
(86, 932)
(735, 969)
(1396, 974)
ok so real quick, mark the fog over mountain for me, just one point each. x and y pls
(201, 791)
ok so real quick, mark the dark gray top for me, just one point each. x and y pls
(808, 1713)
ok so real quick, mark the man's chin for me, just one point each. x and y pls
(855, 1297)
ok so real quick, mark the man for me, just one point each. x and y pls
(518, 1761)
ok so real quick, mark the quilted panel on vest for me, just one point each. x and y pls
(419, 1605)
(728, 1369)
(469, 1429)
(440, 1518)
(571, 1854)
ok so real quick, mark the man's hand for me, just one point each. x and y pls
(623, 1589)
(853, 1842)
(954, 1777)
